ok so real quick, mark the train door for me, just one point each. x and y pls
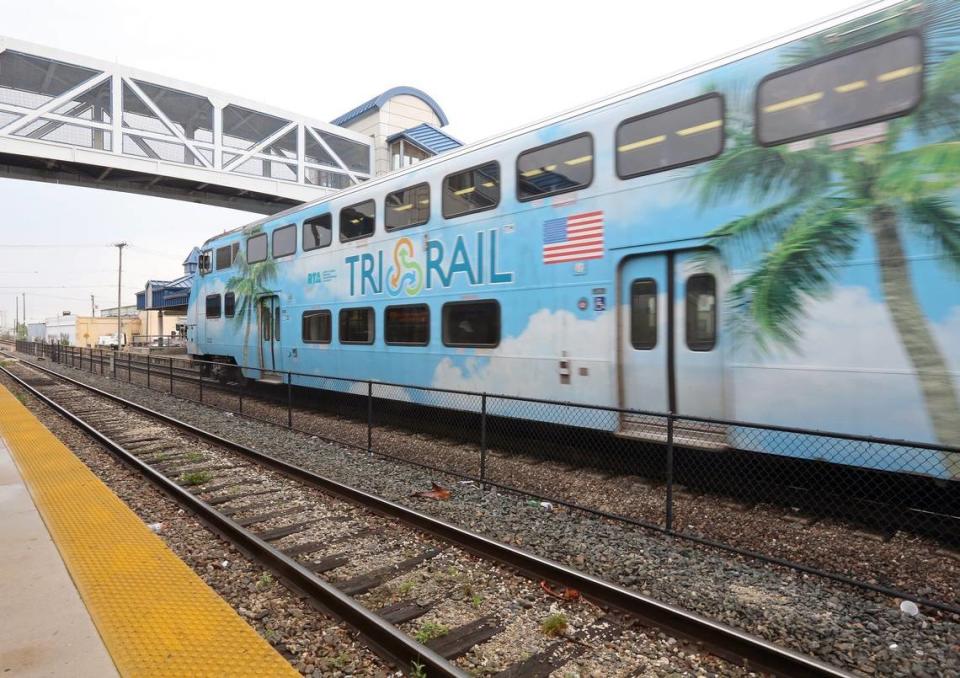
(270, 350)
(669, 344)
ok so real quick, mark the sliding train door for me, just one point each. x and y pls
(669, 353)
(270, 351)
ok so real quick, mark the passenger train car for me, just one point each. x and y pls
(773, 237)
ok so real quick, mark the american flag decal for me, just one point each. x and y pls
(573, 238)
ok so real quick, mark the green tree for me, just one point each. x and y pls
(248, 286)
(819, 202)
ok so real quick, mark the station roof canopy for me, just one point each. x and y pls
(377, 102)
(163, 295)
(427, 137)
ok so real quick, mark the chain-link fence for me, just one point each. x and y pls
(872, 510)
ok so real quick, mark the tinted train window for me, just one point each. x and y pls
(643, 314)
(407, 325)
(681, 135)
(474, 190)
(868, 84)
(357, 221)
(471, 323)
(317, 327)
(701, 312)
(356, 326)
(317, 232)
(556, 168)
(409, 207)
(204, 263)
(266, 325)
(285, 241)
(257, 248)
(213, 305)
(229, 304)
(224, 258)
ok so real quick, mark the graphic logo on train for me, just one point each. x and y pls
(406, 274)
(471, 260)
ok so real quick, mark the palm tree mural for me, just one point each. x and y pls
(820, 202)
(248, 286)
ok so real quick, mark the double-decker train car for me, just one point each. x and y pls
(773, 237)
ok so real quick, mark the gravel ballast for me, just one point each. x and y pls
(859, 631)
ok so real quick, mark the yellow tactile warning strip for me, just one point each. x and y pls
(155, 615)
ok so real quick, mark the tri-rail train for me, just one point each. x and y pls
(772, 237)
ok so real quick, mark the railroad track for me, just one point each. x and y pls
(384, 568)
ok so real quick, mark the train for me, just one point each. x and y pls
(771, 237)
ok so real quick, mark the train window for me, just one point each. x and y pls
(357, 221)
(229, 304)
(471, 323)
(317, 232)
(676, 136)
(257, 248)
(473, 190)
(407, 207)
(204, 263)
(555, 168)
(285, 241)
(276, 323)
(266, 326)
(701, 311)
(408, 325)
(867, 84)
(213, 305)
(224, 257)
(356, 326)
(317, 327)
(643, 314)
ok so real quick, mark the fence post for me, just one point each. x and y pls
(289, 400)
(370, 416)
(171, 376)
(129, 361)
(670, 472)
(200, 381)
(483, 440)
(148, 368)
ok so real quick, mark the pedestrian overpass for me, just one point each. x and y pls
(71, 119)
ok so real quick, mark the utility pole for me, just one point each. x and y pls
(25, 314)
(120, 246)
(16, 319)
(93, 308)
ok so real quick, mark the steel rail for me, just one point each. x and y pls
(724, 641)
(381, 637)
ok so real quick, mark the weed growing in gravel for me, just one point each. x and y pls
(195, 456)
(195, 478)
(265, 580)
(418, 670)
(269, 635)
(476, 601)
(22, 398)
(405, 587)
(430, 630)
(554, 625)
(340, 660)
(163, 456)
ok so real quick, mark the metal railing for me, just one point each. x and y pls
(157, 340)
(745, 487)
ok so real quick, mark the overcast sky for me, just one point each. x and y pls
(490, 65)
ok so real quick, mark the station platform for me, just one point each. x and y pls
(86, 589)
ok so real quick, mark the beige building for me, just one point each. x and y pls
(89, 330)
